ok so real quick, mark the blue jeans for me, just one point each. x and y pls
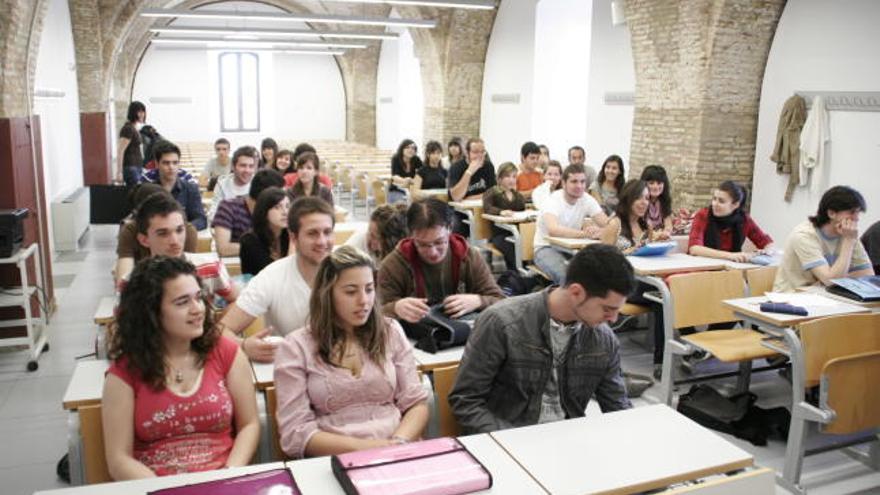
(553, 262)
(132, 175)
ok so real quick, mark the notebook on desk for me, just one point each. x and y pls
(864, 289)
(655, 249)
(274, 482)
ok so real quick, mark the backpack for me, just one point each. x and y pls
(736, 415)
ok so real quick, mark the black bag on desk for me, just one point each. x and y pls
(436, 332)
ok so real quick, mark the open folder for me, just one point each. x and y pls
(274, 482)
(865, 289)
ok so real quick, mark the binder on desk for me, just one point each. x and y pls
(655, 249)
(440, 466)
(864, 289)
(274, 482)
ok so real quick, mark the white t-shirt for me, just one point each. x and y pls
(281, 294)
(226, 188)
(540, 195)
(567, 215)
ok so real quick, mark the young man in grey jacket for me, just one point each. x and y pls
(541, 357)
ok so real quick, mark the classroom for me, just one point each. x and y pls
(354, 246)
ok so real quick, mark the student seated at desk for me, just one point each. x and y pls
(268, 240)
(178, 397)
(608, 183)
(234, 215)
(826, 246)
(434, 266)
(268, 152)
(564, 215)
(552, 182)
(530, 175)
(281, 290)
(237, 183)
(387, 227)
(348, 380)
(307, 183)
(470, 177)
(217, 165)
(178, 182)
(541, 357)
(628, 231)
(128, 250)
(284, 162)
(404, 166)
(162, 230)
(720, 230)
(431, 175)
(503, 200)
(659, 214)
(290, 177)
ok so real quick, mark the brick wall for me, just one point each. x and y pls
(699, 68)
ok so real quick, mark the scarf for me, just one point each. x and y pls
(458, 247)
(733, 221)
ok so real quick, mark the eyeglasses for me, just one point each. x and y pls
(428, 245)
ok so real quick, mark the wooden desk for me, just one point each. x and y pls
(629, 451)
(86, 384)
(205, 239)
(441, 194)
(820, 290)
(572, 245)
(673, 263)
(233, 265)
(425, 361)
(512, 225)
(343, 230)
(264, 375)
(472, 209)
(141, 487)
(748, 308)
(104, 314)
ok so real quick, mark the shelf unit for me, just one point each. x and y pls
(20, 297)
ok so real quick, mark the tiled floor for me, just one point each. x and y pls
(33, 425)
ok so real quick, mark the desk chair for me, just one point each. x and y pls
(94, 457)
(203, 245)
(760, 280)
(696, 300)
(840, 354)
(254, 327)
(272, 423)
(444, 379)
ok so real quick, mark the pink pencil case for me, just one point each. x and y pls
(274, 482)
(440, 466)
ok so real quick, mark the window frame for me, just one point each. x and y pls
(239, 96)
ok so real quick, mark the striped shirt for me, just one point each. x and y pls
(233, 215)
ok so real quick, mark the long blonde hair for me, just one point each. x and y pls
(322, 314)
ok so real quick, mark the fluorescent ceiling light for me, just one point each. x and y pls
(291, 33)
(457, 4)
(239, 48)
(283, 17)
(256, 43)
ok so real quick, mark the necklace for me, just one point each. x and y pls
(178, 376)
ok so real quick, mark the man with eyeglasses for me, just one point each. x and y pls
(434, 266)
(540, 357)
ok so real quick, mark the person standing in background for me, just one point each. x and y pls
(129, 155)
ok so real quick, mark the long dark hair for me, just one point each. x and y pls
(656, 173)
(297, 188)
(456, 141)
(431, 147)
(735, 220)
(267, 200)
(138, 328)
(414, 163)
(268, 143)
(133, 109)
(391, 224)
(618, 182)
(630, 192)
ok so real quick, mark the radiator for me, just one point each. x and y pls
(70, 219)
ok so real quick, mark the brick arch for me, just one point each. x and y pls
(699, 68)
(21, 26)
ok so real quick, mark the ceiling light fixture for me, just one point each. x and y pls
(456, 4)
(255, 43)
(290, 33)
(283, 17)
(239, 48)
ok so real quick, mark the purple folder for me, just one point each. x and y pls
(441, 466)
(274, 482)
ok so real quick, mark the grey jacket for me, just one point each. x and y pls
(507, 362)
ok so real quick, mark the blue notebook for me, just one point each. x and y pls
(655, 249)
(765, 260)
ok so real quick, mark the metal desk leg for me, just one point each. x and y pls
(517, 244)
(74, 449)
(472, 225)
(264, 449)
(673, 348)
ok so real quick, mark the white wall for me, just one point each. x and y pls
(301, 96)
(56, 70)
(609, 127)
(400, 105)
(509, 71)
(562, 75)
(821, 46)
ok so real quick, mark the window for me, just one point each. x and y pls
(239, 92)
